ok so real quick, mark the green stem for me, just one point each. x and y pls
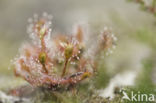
(64, 69)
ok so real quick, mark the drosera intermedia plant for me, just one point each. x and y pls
(61, 60)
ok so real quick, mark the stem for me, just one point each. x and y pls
(43, 45)
(46, 71)
(64, 69)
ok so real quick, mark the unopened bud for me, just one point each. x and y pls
(42, 57)
(86, 75)
(42, 32)
(68, 51)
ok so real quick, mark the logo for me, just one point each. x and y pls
(138, 97)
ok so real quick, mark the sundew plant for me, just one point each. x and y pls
(74, 51)
(60, 60)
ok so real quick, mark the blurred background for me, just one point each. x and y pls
(133, 62)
